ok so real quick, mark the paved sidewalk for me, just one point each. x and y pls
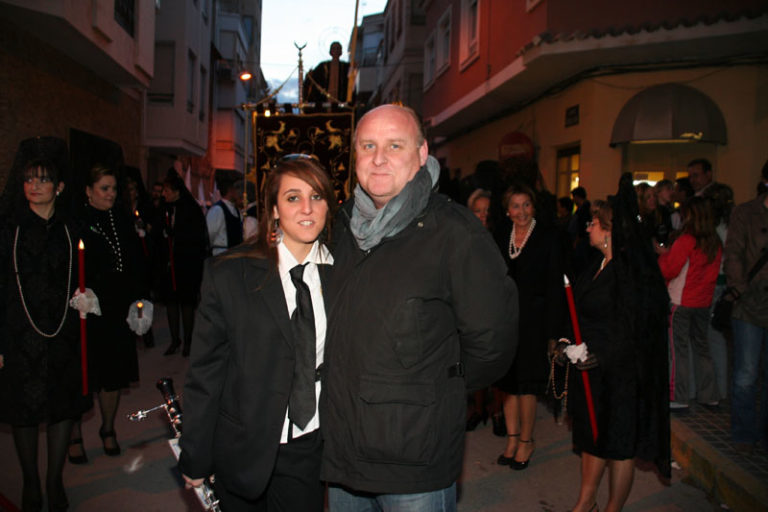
(701, 444)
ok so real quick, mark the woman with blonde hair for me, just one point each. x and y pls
(621, 305)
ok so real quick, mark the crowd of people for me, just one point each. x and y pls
(69, 253)
(349, 348)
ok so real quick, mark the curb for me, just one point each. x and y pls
(716, 474)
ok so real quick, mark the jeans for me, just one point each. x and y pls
(689, 342)
(718, 349)
(342, 500)
(746, 425)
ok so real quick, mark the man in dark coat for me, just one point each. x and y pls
(420, 311)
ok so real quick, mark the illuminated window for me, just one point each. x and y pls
(567, 170)
(649, 177)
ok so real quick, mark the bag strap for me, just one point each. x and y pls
(758, 265)
(752, 273)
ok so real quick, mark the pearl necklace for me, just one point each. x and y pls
(514, 251)
(21, 293)
(114, 246)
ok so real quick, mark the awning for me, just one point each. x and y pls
(669, 113)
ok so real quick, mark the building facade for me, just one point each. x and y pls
(595, 89)
(370, 42)
(401, 56)
(75, 70)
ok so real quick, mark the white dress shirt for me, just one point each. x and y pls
(217, 226)
(318, 254)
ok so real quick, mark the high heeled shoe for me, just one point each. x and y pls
(475, 420)
(518, 465)
(77, 459)
(503, 460)
(593, 508)
(499, 425)
(112, 451)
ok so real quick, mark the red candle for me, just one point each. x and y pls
(584, 375)
(140, 308)
(81, 266)
(83, 327)
(140, 225)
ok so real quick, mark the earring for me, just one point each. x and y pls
(276, 235)
(605, 243)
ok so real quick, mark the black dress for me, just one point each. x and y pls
(113, 270)
(183, 223)
(538, 273)
(41, 379)
(630, 387)
(614, 382)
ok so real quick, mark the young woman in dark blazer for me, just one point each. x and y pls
(251, 393)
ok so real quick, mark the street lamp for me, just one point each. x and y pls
(245, 76)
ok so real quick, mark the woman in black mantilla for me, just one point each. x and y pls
(40, 374)
(622, 305)
(113, 271)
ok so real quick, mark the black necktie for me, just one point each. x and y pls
(301, 403)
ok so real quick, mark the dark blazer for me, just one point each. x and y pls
(240, 374)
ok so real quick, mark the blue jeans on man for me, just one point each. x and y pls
(342, 500)
(747, 426)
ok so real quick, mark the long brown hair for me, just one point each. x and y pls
(306, 169)
(700, 224)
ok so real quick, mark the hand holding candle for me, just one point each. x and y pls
(584, 374)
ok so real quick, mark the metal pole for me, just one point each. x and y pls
(301, 77)
(246, 106)
(352, 49)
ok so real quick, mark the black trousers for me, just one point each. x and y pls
(294, 485)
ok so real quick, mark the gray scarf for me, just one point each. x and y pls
(370, 226)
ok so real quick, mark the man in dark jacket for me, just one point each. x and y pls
(420, 310)
(745, 247)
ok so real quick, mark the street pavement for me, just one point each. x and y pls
(144, 477)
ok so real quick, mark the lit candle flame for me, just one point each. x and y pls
(136, 212)
(81, 245)
(139, 305)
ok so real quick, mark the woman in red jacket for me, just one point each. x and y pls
(690, 267)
